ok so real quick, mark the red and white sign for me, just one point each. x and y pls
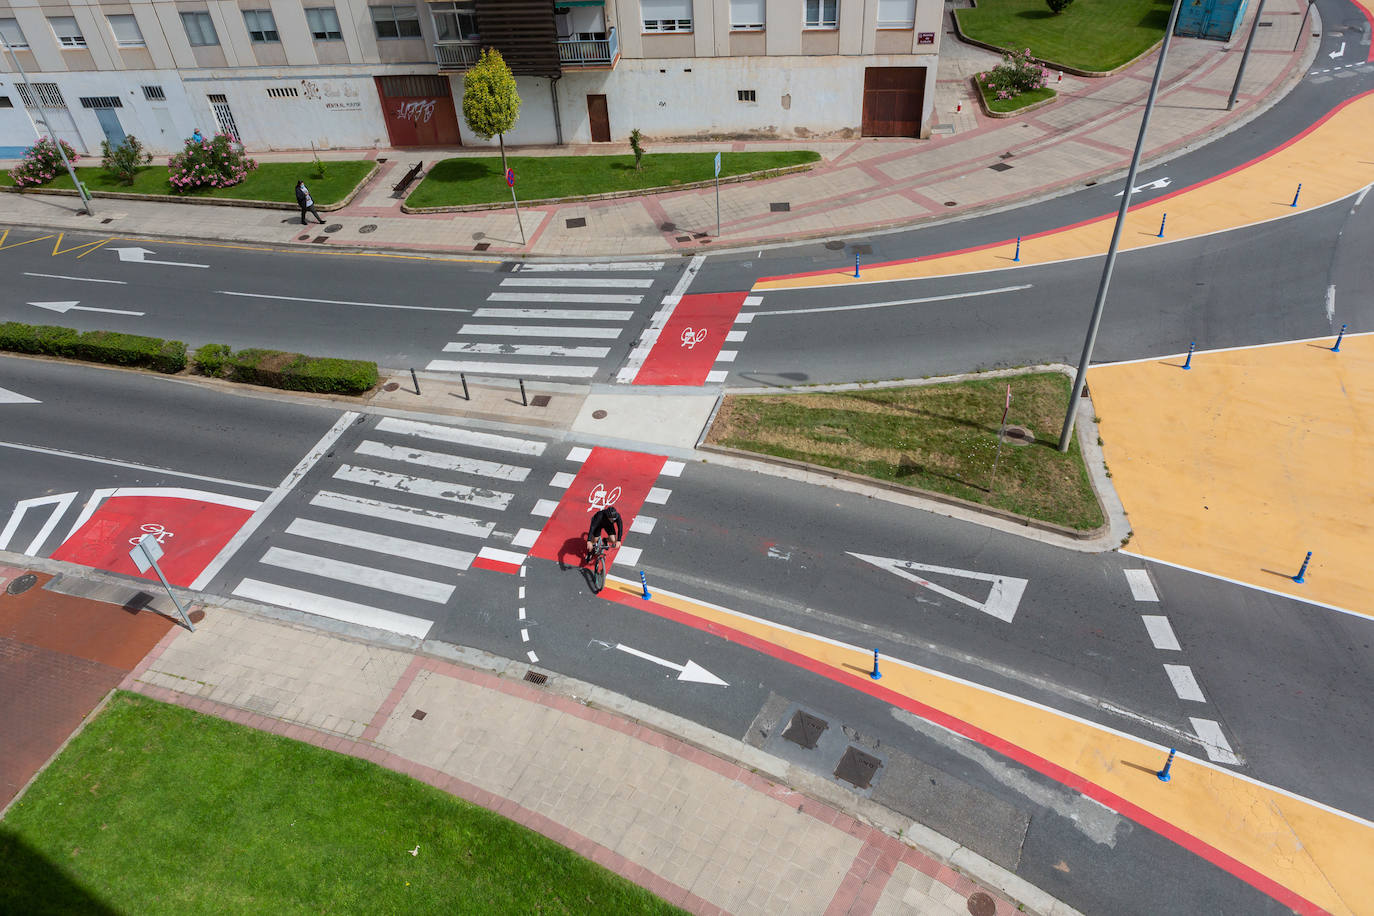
(691, 339)
(608, 477)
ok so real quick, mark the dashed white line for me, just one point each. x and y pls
(1214, 742)
(1142, 589)
(534, 659)
(1185, 684)
(1161, 634)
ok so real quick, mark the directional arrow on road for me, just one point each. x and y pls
(1001, 602)
(137, 255)
(688, 672)
(1157, 185)
(64, 307)
(13, 397)
(1339, 52)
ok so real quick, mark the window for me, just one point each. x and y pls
(49, 96)
(746, 95)
(324, 23)
(67, 32)
(455, 21)
(6, 102)
(200, 31)
(14, 36)
(896, 14)
(154, 94)
(126, 31)
(746, 15)
(822, 14)
(283, 92)
(261, 26)
(667, 15)
(102, 101)
(396, 21)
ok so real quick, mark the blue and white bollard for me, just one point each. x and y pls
(1188, 363)
(1164, 773)
(1162, 218)
(875, 673)
(1017, 256)
(1295, 195)
(1337, 347)
(1302, 573)
(856, 264)
(645, 582)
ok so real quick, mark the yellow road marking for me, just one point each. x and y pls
(95, 247)
(1318, 853)
(3, 246)
(57, 248)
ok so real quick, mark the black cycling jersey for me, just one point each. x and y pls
(601, 523)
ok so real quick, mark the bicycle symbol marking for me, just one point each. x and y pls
(599, 498)
(159, 533)
(691, 338)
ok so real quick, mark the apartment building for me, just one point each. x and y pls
(286, 74)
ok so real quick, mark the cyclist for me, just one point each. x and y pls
(607, 520)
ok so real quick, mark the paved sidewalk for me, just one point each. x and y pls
(861, 186)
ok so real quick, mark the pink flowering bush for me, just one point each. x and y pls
(217, 163)
(1017, 73)
(41, 163)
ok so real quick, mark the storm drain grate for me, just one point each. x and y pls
(534, 677)
(999, 166)
(540, 400)
(108, 219)
(684, 238)
(481, 246)
(668, 227)
(1264, 25)
(319, 238)
(577, 223)
(805, 729)
(418, 714)
(857, 768)
(698, 235)
(783, 207)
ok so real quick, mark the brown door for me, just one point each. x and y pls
(893, 99)
(419, 110)
(601, 120)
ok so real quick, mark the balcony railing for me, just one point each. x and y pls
(456, 55)
(589, 53)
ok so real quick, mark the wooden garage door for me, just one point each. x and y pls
(893, 98)
(419, 110)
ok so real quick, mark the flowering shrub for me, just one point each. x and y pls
(1017, 73)
(217, 163)
(41, 163)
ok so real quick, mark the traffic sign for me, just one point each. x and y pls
(717, 165)
(510, 178)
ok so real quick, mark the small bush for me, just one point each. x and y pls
(298, 372)
(123, 161)
(637, 147)
(41, 163)
(1017, 73)
(1058, 6)
(217, 163)
(210, 359)
(94, 346)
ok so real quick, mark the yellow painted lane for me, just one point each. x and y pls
(1243, 464)
(1309, 856)
(1332, 160)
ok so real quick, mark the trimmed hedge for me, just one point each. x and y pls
(290, 371)
(94, 346)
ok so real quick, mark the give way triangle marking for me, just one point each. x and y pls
(1001, 602)
(14, 397)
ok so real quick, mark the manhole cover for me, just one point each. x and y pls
(980, 904)
(390, 386)
(478, 236)
(805, 729)
(418, 714)
(332, 227)
(598, 414)
(1018, 435)
(365, 229)
(534, 677)
(108, 219)
(579, 222)
(835, 246)
(999, 166)
(783, 207)
(668, 227)
(22, 584)
(951, 203)
(857, 768)
(539, 400)
(302, 238)
(197, 616)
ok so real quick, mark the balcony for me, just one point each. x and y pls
(456, 55)
(596, 53)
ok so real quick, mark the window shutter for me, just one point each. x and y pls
(896, 14)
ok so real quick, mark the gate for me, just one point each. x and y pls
(419, 110)
(224, 117)
(893, 99)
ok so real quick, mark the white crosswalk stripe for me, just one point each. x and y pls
(587, 298)
(493, 349)
(461, 463)
(520, 370)
(555, 314)
(628, 266)
(459, 435)
(540, 330)
(366, 576)
(438, 489)
(334, 608)
(381, 543)
(581, 282)
(409, 515)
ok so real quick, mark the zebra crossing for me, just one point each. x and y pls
(549, 321)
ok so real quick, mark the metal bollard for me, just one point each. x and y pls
(524, 401)
(875, 673)
(1188, 363)
(1161, 225)
(1295, 195)
(645, 582)
(464, 379)
(1302, 573)
(1017, 256)
(1337, 347)
(1164, 773)
(415, 381)
(856, 264)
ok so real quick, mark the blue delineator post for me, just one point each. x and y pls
(1337, 347)
(875, 673)
(1164, 773)
(1188, 363)
(1017, 256)
(1302, 573)
(1162, 218)
(1295, 195)
(856, 263)
(645, 582)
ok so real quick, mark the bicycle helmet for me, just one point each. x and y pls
(612, 513)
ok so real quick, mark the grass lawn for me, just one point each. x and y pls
(157, 809)
(1094, 35)
(455, 182)
(271, 181)
(935, 437)
(1017, 103)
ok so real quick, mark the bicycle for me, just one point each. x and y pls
(597, 557)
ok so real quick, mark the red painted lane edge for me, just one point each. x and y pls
(1093, 219)
(1053, 770)
(496, 565)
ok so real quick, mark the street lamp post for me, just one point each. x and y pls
(1245, 58)
(1066, 436)
(33, 96)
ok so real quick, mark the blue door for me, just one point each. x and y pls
(109, 122)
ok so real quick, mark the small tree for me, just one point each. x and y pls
(491, 106)
(122, 162)
(637, 147)
(1058, 6)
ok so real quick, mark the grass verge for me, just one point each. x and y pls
(934, 437)
(458, 182)
(1001, 106)
(1091, 35)
(157, 809)
(270, 181)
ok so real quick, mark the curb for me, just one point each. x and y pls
(1049, 65)
(1025, 109)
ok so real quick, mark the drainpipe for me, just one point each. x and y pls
(557, 118)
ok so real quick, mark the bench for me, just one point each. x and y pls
(400, 186)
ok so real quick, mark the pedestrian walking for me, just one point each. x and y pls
(306, 201)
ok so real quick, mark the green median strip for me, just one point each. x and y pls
(480, 179)
(941, 438)
(273, 182)
(1091, 35)
(156, 809)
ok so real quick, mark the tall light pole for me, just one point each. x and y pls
(1244, 58)
(1066, 436)
(33, 96)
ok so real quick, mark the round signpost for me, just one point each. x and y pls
(510, 183)
(510, 178)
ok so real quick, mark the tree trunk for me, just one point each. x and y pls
(501, 138)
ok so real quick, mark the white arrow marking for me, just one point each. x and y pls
(688, 672)
(14, 397)
(1001, 602)
(137, 255)
(1156, 185)
(64, 307)
(1339, 52)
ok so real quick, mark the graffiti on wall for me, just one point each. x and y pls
(335, 94)
(419, 111)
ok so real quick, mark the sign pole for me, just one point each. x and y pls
(717, 195)
(510, 181)
(1002, 431)
(144, 555)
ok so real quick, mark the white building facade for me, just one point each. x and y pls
(289, 74)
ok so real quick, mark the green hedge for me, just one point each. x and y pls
(291, 371)
(94, 346)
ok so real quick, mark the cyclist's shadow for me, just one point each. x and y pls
(576, 547)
